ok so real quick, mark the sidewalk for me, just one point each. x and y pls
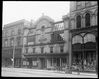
(52, 71)
(46, 73)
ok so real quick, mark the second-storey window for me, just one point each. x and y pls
(33, 50)
(6, 43)
(12, 42)
(61, 49)
(19, 31)
(12, 32)
(78, 5)
(42, 49)
(51, 49)
(18, 41)
(87, 20)
(31, 38)
(78, 21)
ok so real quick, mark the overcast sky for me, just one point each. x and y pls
(17, 10)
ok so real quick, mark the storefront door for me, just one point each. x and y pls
(42, 63)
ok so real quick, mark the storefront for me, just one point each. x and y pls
(85, 58)
(7, 57)
(46, 61)
(17, 57)
(84, 49)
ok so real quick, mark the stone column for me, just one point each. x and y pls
(70, 51)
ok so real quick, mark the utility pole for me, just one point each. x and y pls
(13, 51)
(22, 56)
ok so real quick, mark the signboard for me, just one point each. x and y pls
(34, 63)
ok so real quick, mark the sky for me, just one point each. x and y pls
(17, 10)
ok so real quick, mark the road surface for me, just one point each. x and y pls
(22, 72)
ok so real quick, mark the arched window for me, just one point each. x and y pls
(42, 28)
(78, 21)
(87, 20)
(77, 39)
(89, 38)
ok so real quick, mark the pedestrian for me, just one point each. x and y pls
(66, 69)
(78, 69)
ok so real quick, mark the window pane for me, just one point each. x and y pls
(87, 20)
(78, 21)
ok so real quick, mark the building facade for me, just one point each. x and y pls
(12, 36)
(45, 45)
(83, 34)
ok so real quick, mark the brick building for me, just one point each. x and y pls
(12, 36)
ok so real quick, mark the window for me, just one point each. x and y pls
(42, 49)
(87, 20)
(33, 50)
(12, 32)
(78, 21)
(78, 4)
(6, 33)
(60, 26)
(51, 49)
(19, 31)
(31, 31)
(18, 41)
(61, 49)
(11, 41)
(6, 43)
(58, 37)
(42, 28)
(31, 38)
(26, 50)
